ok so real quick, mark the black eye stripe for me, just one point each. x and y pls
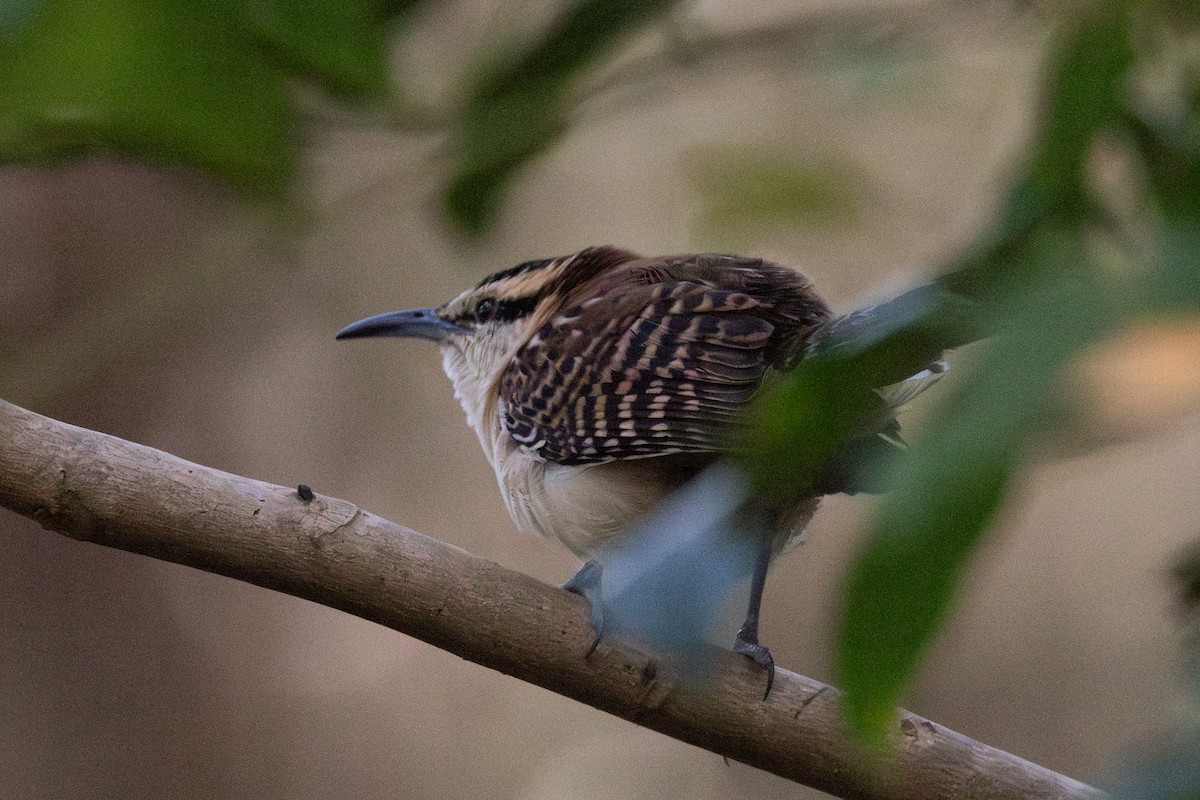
(490, 309)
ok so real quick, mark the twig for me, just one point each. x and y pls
(101, 489)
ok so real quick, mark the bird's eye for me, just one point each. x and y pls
(486, 310)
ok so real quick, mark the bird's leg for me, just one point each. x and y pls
(586, 584)
(746, 641)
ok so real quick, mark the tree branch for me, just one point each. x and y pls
(101, 489)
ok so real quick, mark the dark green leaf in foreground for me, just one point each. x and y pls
(1087, 93)
(518, 105)
(1039, 293)
(495, 138)
(805, 418)
(946, 493)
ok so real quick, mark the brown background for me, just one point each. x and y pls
(151, 306)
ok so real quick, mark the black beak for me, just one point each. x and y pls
(415, 323)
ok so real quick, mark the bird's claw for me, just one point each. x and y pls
(747, 644)
(586, 584)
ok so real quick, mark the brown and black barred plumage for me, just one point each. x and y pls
(649, 357)
(601, 381)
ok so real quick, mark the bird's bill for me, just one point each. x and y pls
(413, 323)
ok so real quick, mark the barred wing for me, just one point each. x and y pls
(648, 371)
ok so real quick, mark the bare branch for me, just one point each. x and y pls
(101, 489)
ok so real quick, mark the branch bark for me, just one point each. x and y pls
(101, 489)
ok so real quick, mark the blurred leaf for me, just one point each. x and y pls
(747, 188)
(668, 581)
(342, 44)
(1047, 302)
(949, 488)
(584, 32)
(15, 12)
(1084, 95)
(494, 139)
(1180, 273)
(151, 78)
(804, 418)
(1031, 283)
(1170, 148)
(518, 107)
(1087, 92)
(203, 83)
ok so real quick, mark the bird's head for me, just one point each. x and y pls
(481, 328)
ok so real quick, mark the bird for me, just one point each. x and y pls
(603, 382)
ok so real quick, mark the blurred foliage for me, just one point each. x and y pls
(743, 190)
(210, 83)
(204, 83)
(1062, 269)
(518, 104)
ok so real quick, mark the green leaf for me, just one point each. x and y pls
(495, 138)
(1170, 150)
(204, 83)
(583, 33)
(803, 419)
(342, 44)
(946, 493)
(1087, 93)
(518, 105)
(1046, 303)
(155, 79)
(1178, 278)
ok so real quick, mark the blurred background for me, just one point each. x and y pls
(157, 305)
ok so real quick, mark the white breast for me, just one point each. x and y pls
(586, 507)
(582, 506)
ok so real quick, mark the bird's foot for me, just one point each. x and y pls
(586, 584)
(746, 642)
